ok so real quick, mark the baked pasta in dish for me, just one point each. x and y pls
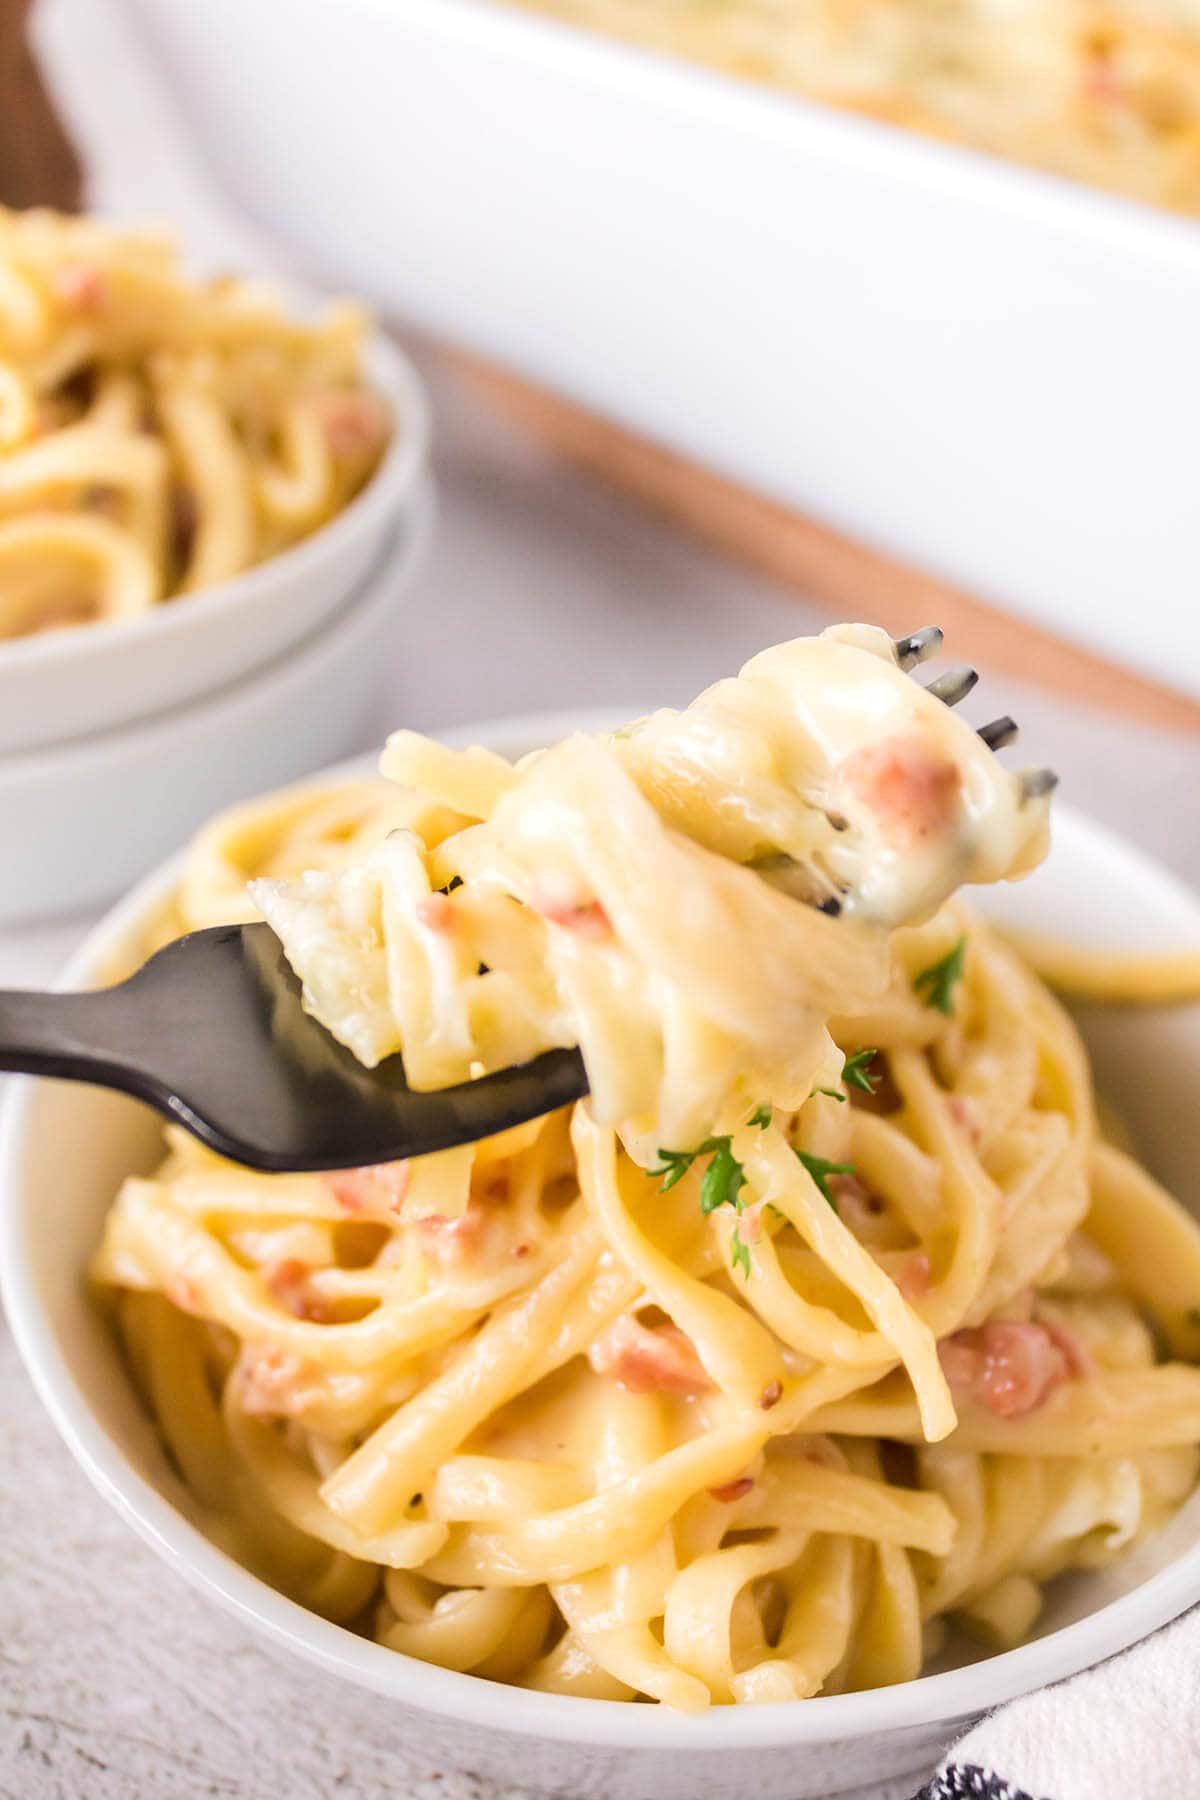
(1107, 94)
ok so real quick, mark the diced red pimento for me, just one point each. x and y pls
(289, 1282)
(820, 1451)
(355, 424)
(374, 1191)
(269, 1382)
(962, 1111)
(1100, 78)
(451, 1241)
(659, 1361)
(561, 902)
(82, 287)
(855, 1202)
(1007, 1365)
(436, 913)
(182, 1292)
(908, 784)
(729, 1491)
(915, 1276)
(750, 1225)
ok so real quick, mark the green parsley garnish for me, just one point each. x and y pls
(856, 1072)
(723, 1179)
(936, 984)
(673, 1166)
(820, 1168)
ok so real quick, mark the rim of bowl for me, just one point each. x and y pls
(928, 1700)
(392, 372)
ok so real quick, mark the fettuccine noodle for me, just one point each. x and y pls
(159, 434)
(831, 1322)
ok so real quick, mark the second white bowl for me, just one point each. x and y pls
(82, 820)
(60, 686)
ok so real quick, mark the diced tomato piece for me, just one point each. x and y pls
(662, 1361)
(436, 913)
(729, 1491)
(1101, 79)
(963, 1113)
(561, 902)
(1007, 1365)
(750, 1225)
(377, 1190)
(822, 1452)
(269, 1383)
(909, 786)
(82, 287)
(855, 1201)
(451, 1241)
(355, 424)
(289, 1282)
(915, 1276)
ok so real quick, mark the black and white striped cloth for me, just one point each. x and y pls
(966, 1781)
(1126, 1730)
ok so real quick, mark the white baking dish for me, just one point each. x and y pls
(65, 1150)
(61, 686)
(80, 821)
(987, 371)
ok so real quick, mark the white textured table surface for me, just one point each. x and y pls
(542, 591)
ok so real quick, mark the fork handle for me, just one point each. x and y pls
(73, 1037)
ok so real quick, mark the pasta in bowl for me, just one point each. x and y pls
(608, 1426)
(164, 438)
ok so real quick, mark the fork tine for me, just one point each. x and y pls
(1036, 782)
(954, 685)
(918, 646)
(999, 732)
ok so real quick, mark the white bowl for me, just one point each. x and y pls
(910, 340)
(63, 1153)
(80, 821)
(58, 686)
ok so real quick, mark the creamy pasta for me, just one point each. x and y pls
(831, 1323)
(159, 434)
(1104, 91)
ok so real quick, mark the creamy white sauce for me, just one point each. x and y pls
(823, 754)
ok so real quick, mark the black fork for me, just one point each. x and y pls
(212, 1032)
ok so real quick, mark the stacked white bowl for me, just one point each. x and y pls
(118, 739)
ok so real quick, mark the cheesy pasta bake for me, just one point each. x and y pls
(1104, 91)
(159, 434)
(834, 1322)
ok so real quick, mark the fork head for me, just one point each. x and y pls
(954, 686)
